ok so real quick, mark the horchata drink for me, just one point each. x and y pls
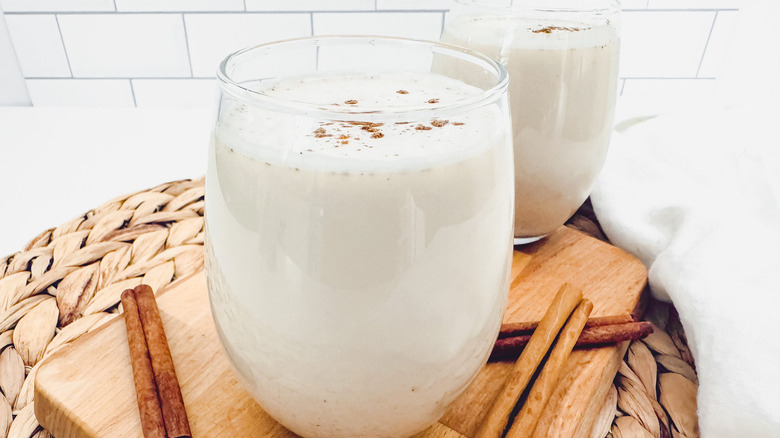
(562, 59)
(359, 229)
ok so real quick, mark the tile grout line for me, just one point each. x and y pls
(253, 12)
(311, 27)
(244, 5)
(187, 44)
(648, 10)
(209, 78)
(704, 52)
(674, 78)
(115, 78)
(443, 15)
(623, 86)
(132, 91)
(115, 8)
(62, 41)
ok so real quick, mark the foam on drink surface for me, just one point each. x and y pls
(353, 143)
(528, 33)
(358, 280)
(563, 81)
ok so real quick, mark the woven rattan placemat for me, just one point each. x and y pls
(67, 282)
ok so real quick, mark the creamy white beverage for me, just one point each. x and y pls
(563, 80)
(358, 270)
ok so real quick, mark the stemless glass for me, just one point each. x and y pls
(562, 58)
(359, 209)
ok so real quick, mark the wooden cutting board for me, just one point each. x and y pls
(86, 390)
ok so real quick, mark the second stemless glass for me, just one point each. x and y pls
(562, 59)
(359, 210)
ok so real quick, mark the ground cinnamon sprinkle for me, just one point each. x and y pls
(439, 123)
(402, 92)
(422, 128)
(320, 133)
(458, 123)
(369, 124)
(433, 100)
(550, 29)
(377, 135)
(343, 136)
(351, 102)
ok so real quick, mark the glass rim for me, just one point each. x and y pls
(487, 96)
(592, 6)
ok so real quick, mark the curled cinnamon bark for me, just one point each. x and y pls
(510, 347)
(525, 422)
(171, 402)
(526, 328)
(145, 387)
(565, 301)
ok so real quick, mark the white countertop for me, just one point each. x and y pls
(57, 163)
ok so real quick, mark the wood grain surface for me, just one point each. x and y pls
(86, 390)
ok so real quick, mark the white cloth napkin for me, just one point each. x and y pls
(696, 196)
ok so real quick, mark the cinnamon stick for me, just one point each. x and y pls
(510, 348)
(563, 304)
(526, 328)
(171, 402)
(145, 387)
(525, 421)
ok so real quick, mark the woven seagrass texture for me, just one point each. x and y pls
(67, 282)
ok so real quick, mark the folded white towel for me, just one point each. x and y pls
(696, 196)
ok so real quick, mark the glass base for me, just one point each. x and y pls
(527, 240)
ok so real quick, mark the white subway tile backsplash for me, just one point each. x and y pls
(673, 89)
(57, 5)
(214, 36)
(178, 5)
(80, 92)
(168, 47)
(663, 44)
(693, 4)
(38, 45)
(310, 5)
(175, 92)
(414, 4)
(418, 25)
(125, 45)
(719, 45)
